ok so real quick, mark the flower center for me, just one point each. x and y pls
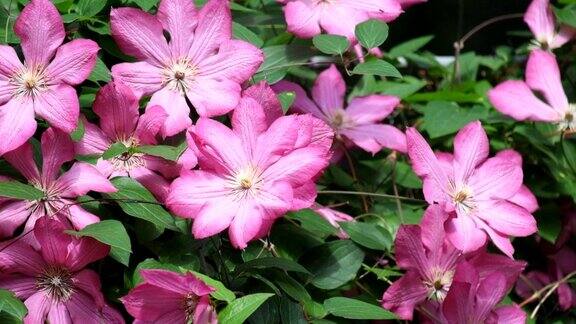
(29, 82)
(439, 284)
(179, 74)
(56, 282)
(130, 160)
(245, 182)
(569, 121)
(190, 302)
(464, 200)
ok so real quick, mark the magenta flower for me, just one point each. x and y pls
(53, 281)
(517, 99)
(408, 3)
(168, 297)
(358, 124)
(333, 217)
(250, 174)
(561, 264)
(120, 121)
(474, 298)
(200, 61)
(307, 18)
(42, 85)
(60, 191)
(476, 187)
(540, 18)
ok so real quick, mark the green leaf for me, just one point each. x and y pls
(356, 309)
(371, 33)
(110, 232)
(100, 72)
(313, 222)
(114, 150)
(78, 133)
(444, 95)
(10, 304)
(567, 15)
(333, 264)
(146, 5)
(409, 47)
(569, 152)
(279, 59)
(221, 293)
(19, 190)
(170, 153)
(8, 14)
(240, 309)
(371, 236)
(444, 118)
(286, 99)
(377, 67)
(243, 33)
(135, 200)
(271, 262)
(331, 44)
(90, 8)
(383, 274)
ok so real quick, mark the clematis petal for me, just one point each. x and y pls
(458, 306)
(149, 125)
(214, 217)
(38, 306)
(302, 103)
(339, 20)
(81, 179)
(496, 178)
(424, 162)
(58, 313)
(89, 281)
(22, 159)
(21, 285)
(139, 34)
(176, 108)
(303, 19)
(12, 215)
(248, 122)
(298, 167)
(142, 77)
(410, 253)
(179, 18)
(57, 149)
(328, 90)
(73, 62)
(404, 295)
(512, 314)
(81, 309)
(41, 31)
(501, 241)
(508, 218)
(371, 109)
(18, 257)
(464, 234)
(214, 97)
(279, 139)
(221, 148)
(543, 74)
(9, 62)
(152, 181)
(54, 242)
(214, 28)
(178, 283)
(386, 10)
(373, 138)
(245, 225)
(148, 302)
(94, 141)
(471, 148)
(117, 108)
(490, 292)
(564, 35)
(59, 106)
(17, 124)
(80, 217)
(515, 99)
(540, 20)
(189, 193)
(236, 60)
(265, 96)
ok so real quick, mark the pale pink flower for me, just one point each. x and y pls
(169, 297)
(333, 217)
(42, 85)
(476, 187)
(120, 121)
(200, 61)
(358, 124)
(60, 191)
(516, 98)
(308, 18)
(52, 281)
(540, 18)
(249, 175)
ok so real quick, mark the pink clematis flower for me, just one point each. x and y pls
(431, 262)
(358, 124)
(474, 299)
(250, 174)
(408, 3)
(307, 18)
(42, 85)
(517, 99)
(60, 191)
(540, 18)
(333, 217)
(168, 297)
(120, 121)
(53, 281)
(476, 187)
(200, 62)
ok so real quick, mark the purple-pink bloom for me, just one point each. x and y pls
(408, 3)
(542, 22)
(517, 99)
(249, 175)
(308, 18)
(43, 84)
(169, 297)
(358, 124)
(333, 217)
(476, 187)
(474, 298)
(200, 62)
(53, 280)
(60, 190)
(120, 121)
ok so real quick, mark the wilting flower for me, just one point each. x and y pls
(561, 264)
(517, 99)
(333, 217)
(476, 187)
(42, 85)
(307, 18)
(474, 298)
(120, 122)
(60, 191)
(358, 124)
(250, 174)
(200, 61)
(540, 18)
(168, 297)
(53, 281)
